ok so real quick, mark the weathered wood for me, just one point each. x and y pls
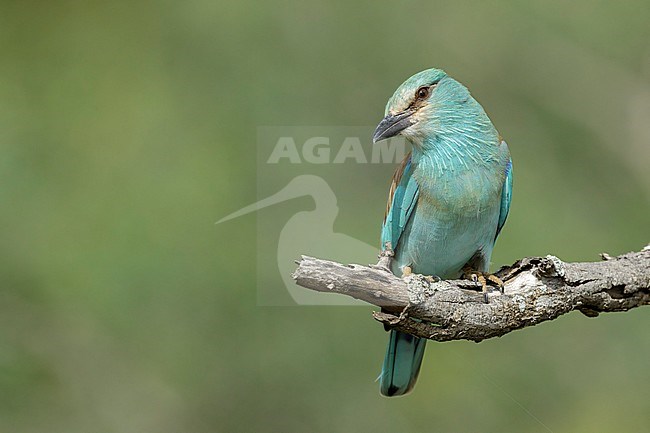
(537, 289)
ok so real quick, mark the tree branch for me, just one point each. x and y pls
(537, 289)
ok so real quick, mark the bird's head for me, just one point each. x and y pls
(420, 106)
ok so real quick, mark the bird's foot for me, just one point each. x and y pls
(485, 279)
(408, 271)
(432, 278)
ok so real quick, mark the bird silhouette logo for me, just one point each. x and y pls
(310, 232)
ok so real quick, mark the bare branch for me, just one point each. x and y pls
(537, 289)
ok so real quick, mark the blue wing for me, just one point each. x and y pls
(402, 199)
(405, 352)
(506, 197)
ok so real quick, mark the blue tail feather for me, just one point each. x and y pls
(402, 363)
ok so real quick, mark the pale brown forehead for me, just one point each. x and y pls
(402, 98)
(405, 94)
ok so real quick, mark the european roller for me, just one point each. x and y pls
(448, 200)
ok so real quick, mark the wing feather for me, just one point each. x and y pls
(402, 199)
(506, 198)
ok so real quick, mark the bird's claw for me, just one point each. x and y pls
(408, 271)
(433, 278)
(497, 281)
(484, 279)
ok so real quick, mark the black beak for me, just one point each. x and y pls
(390, 125)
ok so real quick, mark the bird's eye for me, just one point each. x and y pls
(422, 92)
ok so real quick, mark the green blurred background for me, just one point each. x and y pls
(128, 128)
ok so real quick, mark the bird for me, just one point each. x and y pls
(448, 199)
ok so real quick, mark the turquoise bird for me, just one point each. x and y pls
(448, 199)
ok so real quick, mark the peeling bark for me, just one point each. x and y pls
(537, 289)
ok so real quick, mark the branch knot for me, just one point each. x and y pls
(551, 266)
